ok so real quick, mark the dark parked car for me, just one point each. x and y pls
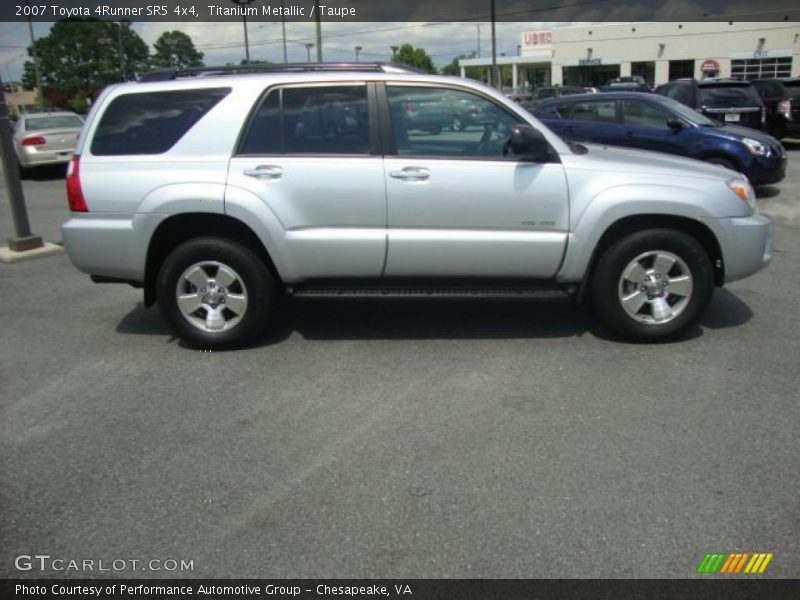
(726, 100)
(652, 122)
(781, 99)
(465, 113)
(633, 83)
(544, 93)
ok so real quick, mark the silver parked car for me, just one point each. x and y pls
(206, 193)
(46, 138)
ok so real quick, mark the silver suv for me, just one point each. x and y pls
(220, 191)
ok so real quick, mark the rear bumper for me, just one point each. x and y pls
(746, 245)
(792, 128)
(37, 158)
(109, 245)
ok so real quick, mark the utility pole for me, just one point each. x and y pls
(23, 238)
(283, 30)
(394, 51)
(308, 51)
(358, 49)
(244, 24)
(478, 25)
(494, 51)
(246, 42)
(318, 18)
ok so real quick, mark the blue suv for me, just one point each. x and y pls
(652, 122)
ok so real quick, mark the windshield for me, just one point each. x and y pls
(52, 122)
(727, 95)
(689, 114)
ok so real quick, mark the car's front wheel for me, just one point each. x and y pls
(215, 293)
(653, 285)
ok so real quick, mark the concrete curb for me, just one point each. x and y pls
(9, 256)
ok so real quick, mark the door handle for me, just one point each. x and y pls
(411, 174)
(265, 172)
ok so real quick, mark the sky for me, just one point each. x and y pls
(224, 42)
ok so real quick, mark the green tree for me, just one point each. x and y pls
(414, 57)
(81, 56)
(453, 69)
(176, 49)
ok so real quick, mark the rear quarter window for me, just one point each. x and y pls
(151, 122)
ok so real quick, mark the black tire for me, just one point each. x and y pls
(255, 276)
(606, 284)
(723, 162)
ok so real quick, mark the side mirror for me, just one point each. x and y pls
(529, 143)
(675, 124)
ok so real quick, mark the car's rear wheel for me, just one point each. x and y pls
(457, 124)
(215, 293)
(653, 285)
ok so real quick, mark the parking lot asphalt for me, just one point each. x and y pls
(397, 439)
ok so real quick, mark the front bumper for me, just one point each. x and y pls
(765, 170)
(746, 245)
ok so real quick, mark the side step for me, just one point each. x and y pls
(389, 290)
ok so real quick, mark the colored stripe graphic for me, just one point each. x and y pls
(758, 563)
(735, 562)
(725, 563)
(711, 562)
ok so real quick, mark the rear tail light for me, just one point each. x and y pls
(34, 141)
(74, 193)
(785, 108)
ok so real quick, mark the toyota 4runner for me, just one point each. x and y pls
(218, 191)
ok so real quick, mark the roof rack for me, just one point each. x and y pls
(375, 67)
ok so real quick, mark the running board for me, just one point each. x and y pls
(454, 292)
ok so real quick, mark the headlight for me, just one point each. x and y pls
(756, 148)
(743, 189)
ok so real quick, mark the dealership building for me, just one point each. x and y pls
(590, 55)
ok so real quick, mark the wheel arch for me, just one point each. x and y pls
(633, 223)
(183, 227)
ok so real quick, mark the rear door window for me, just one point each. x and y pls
(151, 122)
(310, 120)
(595, 111)
(640, 114)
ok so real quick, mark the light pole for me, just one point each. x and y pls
(394, 51)
(308, 51)
(283, 32)
(358, 49)
(244, 24)
(319, 30)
